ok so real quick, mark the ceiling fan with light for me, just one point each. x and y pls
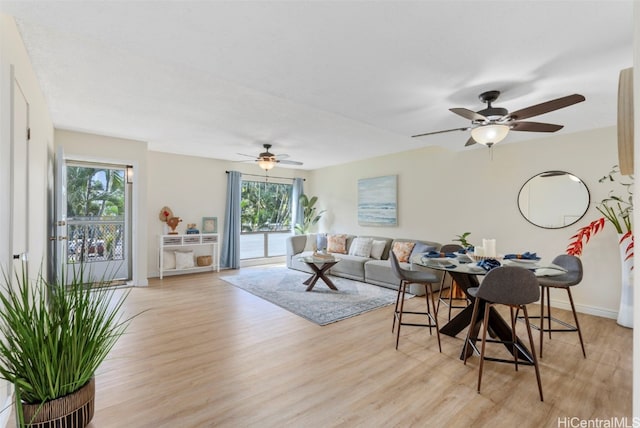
(267, 160)
(492, 124)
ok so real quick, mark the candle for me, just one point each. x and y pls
(489, 247)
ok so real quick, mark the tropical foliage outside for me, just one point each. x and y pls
(95, 212)
(265, 206)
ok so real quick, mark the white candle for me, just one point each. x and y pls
(489, 247)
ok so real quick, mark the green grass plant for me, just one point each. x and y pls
(55, 335)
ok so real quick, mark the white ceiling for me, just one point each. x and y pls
(325, 82)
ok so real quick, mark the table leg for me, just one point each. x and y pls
(319, 273)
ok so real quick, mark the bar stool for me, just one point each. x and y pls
(453, 288)
(407, 277)
(514, 287)
(573, 265)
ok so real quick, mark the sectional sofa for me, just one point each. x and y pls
(362, 258)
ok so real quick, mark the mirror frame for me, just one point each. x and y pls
(557, 172)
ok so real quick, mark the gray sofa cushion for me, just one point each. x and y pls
(295, 263)
(351, 267)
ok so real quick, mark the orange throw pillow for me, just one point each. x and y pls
(403, 250)
(337, 244)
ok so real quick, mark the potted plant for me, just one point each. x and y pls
(616, 210)
(54, 338)
(309, 216)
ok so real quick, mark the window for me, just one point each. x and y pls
(266, 219)
(95, 213)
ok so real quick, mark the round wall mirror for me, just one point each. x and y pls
(553, 199)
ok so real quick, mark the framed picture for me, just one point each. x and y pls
(377, 201)
(209, 224)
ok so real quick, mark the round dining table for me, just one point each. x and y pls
(466, 272)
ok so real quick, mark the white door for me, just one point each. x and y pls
(19, 165)
(93, 219)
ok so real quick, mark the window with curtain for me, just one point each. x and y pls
(266, 219)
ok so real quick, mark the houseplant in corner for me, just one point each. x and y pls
(54, 338)
(309, 216)
(616, 210)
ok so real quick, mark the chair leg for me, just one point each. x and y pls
(444, 274)
(575, 317)
(395, 311)
(450, 300)
(533, 351)
(434, 318)
(474, 314)
(403, 285)
(513, 337)
(426, 298)
(549, 310)
(485, 324)
(544, 290)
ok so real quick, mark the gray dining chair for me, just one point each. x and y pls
(449, 300)
(407, 277)
(514, 287)
(573, 265)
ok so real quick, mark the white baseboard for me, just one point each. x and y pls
(584, 309)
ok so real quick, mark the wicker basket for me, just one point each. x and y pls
(204, 260)
(71, 411)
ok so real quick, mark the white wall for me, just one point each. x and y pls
(193, 188)
(443, 193)
(13, 56)
(98, 148)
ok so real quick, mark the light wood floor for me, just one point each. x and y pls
(208, 354)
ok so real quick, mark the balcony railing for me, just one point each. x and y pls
(263, 244)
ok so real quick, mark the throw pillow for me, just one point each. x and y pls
(321, 243)
(337, 244)
(184, 259)
(377, 248)
(361, 247)
(421, 248)
(311, 244)
(168, 260)
(403, 250)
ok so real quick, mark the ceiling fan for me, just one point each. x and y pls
(267, 160)
(492, 124)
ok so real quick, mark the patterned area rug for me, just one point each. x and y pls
(284, 287)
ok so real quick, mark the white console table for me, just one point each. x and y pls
(202, 244)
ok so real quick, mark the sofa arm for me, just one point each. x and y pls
(295, 245)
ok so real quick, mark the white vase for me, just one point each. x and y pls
(625, 312)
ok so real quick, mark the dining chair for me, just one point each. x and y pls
(514, 287)
(573, 265)
(454, 291)
(407, 277)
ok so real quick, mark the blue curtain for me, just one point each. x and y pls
(230, 254)
(297, 213)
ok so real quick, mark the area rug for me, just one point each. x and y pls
(284, 287)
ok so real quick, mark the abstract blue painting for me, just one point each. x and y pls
(377, 201)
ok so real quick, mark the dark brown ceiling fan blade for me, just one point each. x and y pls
(468, 114)
(535, 127)
(466, 128)
(546, 107)
(470, 142)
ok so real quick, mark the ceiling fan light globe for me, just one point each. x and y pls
(489, 134)
(266, 164)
